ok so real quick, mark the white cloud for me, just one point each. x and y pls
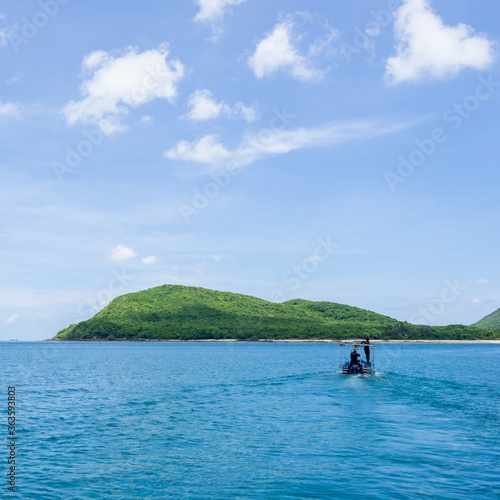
(11, 319)
(14, 79)
(204, 107)
(209, 150)
(205, 150)
(217, 258)
(476, 301)
(146, 120)
(214, 10)
(116, 83)
(149, 260)
(4, 35)
(248, 113)
(8, 35)
(427, 48)
(10, 110)
(482, 281)
(122, 253)
(279, 50)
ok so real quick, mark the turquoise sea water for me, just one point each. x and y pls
(251, 420)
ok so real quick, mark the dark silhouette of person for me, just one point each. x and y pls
(355, 357)
(367, 350)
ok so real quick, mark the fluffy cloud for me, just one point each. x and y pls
(117, 83)
(214, 10)
(149, 260)
(205, 150)
(204, 107)
(476, 301)
(482, 281)
(279, 50)
(122, 253)
(427, 48)
(11, 319)
(10, 110)
(209, 150)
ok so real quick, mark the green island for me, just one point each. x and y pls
(175, 312)
(490, 322)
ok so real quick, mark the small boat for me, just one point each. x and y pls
(363, 367)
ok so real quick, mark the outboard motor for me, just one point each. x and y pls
(355, 369)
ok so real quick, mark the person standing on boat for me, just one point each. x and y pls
(355, 357)
(367, 350)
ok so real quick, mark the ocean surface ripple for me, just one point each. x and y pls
(252, 420)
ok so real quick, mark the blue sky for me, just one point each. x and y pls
(340, 151)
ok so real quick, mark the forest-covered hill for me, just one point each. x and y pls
(185, 313)
(490, 322)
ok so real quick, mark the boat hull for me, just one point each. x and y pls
(366, 369)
